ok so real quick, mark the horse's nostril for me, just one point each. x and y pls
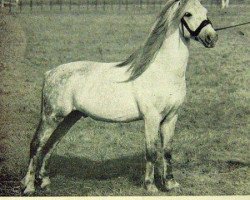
(209, 38)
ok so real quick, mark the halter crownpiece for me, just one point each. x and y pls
(198, 30)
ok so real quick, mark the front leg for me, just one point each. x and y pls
(153, 145)
(167, 132)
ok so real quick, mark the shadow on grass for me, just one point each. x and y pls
(132, 167)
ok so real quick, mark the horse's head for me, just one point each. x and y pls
(196, 25)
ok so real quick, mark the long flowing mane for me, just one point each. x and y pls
(165, 24)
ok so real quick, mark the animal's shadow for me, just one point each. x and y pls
(131, 167)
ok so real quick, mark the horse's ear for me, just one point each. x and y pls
(178, 1)
(181, 9)
(183, 2)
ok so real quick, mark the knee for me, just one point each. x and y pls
(168, 153)
(151, 155)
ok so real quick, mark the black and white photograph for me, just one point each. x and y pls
(124, 98)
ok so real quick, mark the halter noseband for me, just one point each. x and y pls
(198, 30)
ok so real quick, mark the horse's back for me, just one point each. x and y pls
(85, 69)
(64, 71)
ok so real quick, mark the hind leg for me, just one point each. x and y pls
(45, 129)
(54, 139)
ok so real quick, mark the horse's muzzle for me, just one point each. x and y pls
(209, 40)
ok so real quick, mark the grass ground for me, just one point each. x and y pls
(211, 143)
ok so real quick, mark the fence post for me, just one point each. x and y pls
(41, 5)
(10, 4)
(104, 4)
(20, 5)
(87, 4)
(60, 5)
(50, 5)
(31, 5)
(96, 4)
(120, 4)
(140, 4)
(112, 5)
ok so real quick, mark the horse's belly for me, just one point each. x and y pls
(107, 102)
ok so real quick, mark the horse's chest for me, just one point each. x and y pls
(170, 98)
(164, 96)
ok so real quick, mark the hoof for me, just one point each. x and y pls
(45, 183)
(151, 188)
(29, 191)
(23, 183)
(172, 185)
(27, 186)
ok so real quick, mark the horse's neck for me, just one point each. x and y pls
(173, 53)
(172, 57)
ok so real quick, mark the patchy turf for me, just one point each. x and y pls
(211, 144)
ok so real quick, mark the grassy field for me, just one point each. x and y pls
(211, 143)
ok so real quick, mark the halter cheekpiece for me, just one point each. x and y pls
(198, 30)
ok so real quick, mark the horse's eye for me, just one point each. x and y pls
(187, 14)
